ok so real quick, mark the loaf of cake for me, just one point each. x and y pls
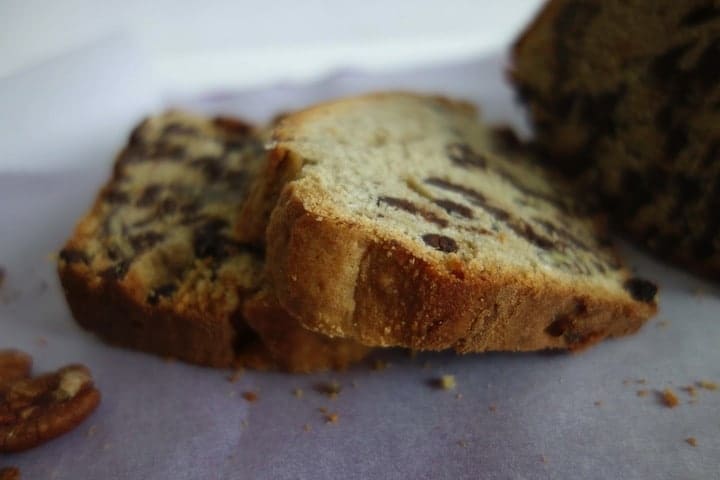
(155, 265)
(397, 219)
(624, 96)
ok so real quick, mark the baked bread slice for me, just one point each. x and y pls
(625, 98)
(155, 265)
(402, 220)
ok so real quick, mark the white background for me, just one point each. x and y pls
(194, 44)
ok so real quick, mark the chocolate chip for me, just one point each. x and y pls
(73, 256)
(117, 271)
(525, 230)
(136, 135)
(179, 129)
(641, 290)
(506, 140)
(115, 196)
(473, 196)
(208, 241)
(699, 15)
(440, 242)
(167, 206)
(211, 167)
(232, 125)
(463, 155)
(157, 293)
(562, 233)
(168, 151)
(559, 326)
(145, 240)
(452, 207)
(408, 206)
(148, 195)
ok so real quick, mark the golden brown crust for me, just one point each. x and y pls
(343, 280)
(111, 312)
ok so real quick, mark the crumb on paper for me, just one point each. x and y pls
(598, 403)
(543, 459)
(92, 431)
(642, 393)
(692, 441)
(107, 446)
(232, 394)
(307, 427)
(379, 365)
(627, 381)
(236, 375)
(298, 392)
(332, 417)
(331, 389)
(690, 390)
(447, 382)
(458, 396)
(707, 385)
(2, 276)
(492, 407)
(250, 396)
(662, 323)
(462, 443)
(323, 409)
(244, 423)
(669, 399)
(354, 384)
(640, 381)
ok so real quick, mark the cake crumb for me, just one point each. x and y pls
(640, 381)
(91, 431)
(669, 399)
(692, 441)
(331, 389)
(690, 390)
(459, 396)
(323, 410)
(543, 459)
(598, 403)
(378, 365)
(707, 385)
(627, 381)
(662, 323)
(492, 407)
(462, 443)
(447, 382)
(235, 376)
(642, 393)
(250, 396)
(331, 417)
(232, 393)
(307, 427)
(354, 384)
(298, 392)
(2, 276)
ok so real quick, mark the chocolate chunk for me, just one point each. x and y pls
(211, 167)
(665, 66)
(473, 196)
(641, 290)
(208, 241)
(440, 242)
(525, 230)
(117, 271)
(506, 140)
(463, 155)
(167, 207)
(148, 195)
(410, 207)
(232, 125)
(115, 196)
(452, 207)
(699, 15)
(562, 233)
(168, 151)
(179, 129)
(559, 326)
(73, 256)
(145, 240)
(157, 293)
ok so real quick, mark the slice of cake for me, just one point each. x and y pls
(402, 220)
(625, 98)
(155, 264)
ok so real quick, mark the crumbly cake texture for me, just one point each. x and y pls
(407, 222)
(155, 265)
(625, 98)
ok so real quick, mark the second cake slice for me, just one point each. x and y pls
(402, 220)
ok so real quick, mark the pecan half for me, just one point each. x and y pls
(14, 365)
(35, 410)
(9, 473)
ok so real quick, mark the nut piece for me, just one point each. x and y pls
(33, 411)
(14, 365)
(9, 473)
